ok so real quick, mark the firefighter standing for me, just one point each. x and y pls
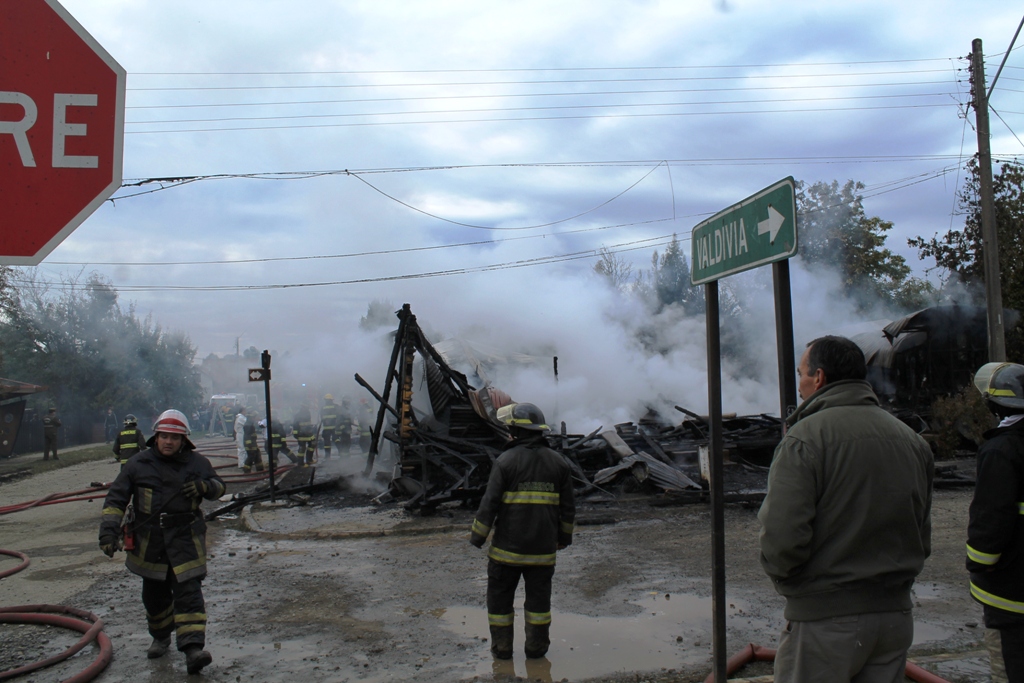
(50, 424)
(109, 425)
(995, 533)
(345, 422)
(529, 502)
(328, 423)
(166, 540)
(129, 440)
(305, 434)
(252, 448)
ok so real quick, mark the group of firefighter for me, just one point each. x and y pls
(339, 426)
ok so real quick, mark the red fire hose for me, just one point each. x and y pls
(54, 498)
(86, 623)
(72, 496)
(756, 653)
(14, 570)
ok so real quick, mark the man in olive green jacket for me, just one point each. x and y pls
(846, 525)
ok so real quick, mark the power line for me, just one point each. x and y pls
(521, 263)
(576, 81)
(530, 118)
(538, 69)
(379, 252)
(510, 95)
(537, 108)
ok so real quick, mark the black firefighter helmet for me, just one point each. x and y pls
(523, 416)
(1002, 384)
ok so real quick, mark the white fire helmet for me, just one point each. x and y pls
(172, 422)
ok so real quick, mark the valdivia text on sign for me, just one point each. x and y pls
(726, 241)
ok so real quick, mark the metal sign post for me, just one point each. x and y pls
(757, 231)
(262, 374)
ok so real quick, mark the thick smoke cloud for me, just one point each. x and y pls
(608, 373)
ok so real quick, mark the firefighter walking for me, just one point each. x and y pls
(129, 440)
(529, 503)
(156, 498)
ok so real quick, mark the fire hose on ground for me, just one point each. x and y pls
(84, 494)
(756, 653)
(86, 623)
(14, 570)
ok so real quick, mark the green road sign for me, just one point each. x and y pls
(761, 229)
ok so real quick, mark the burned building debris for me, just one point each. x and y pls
(927, 354)
(440, 435)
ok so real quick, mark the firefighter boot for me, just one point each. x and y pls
(196, 658)
(537, 640)
(501, 641)
(158, 648)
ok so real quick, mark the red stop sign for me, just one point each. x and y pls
(61, 127)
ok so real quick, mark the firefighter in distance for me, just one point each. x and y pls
(129, 440)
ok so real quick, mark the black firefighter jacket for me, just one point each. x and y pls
(995, 534)
(529, 502)
(169, 527)
(129, 441)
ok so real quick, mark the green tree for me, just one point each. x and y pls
(959, 252)
(835, 232)
(90, 352)
(670, 280)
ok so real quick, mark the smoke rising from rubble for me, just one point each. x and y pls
(605, 374)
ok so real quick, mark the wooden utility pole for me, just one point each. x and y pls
(989, 238)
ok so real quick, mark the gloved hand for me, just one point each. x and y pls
(196, 488)
(108, 544)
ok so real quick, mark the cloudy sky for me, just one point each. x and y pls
(340, 149)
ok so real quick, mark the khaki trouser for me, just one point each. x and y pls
(860, 648)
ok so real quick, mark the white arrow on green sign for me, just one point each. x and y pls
(759, 230)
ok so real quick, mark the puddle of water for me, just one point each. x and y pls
(927, 591)
(586, 647)
(925, 632)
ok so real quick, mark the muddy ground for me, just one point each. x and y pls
(341, 590)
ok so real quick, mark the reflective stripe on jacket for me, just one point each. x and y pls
(995, 532)
(529, 502)
(153, 483)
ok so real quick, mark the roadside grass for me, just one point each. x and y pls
(32, 463)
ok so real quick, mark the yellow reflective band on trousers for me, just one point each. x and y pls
(530, 498)
(480, 528)
(1020, 508)
(500, 619)
(161, 621)
(505, 557)
(980, 557)
(538, 618)
(996, 601)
